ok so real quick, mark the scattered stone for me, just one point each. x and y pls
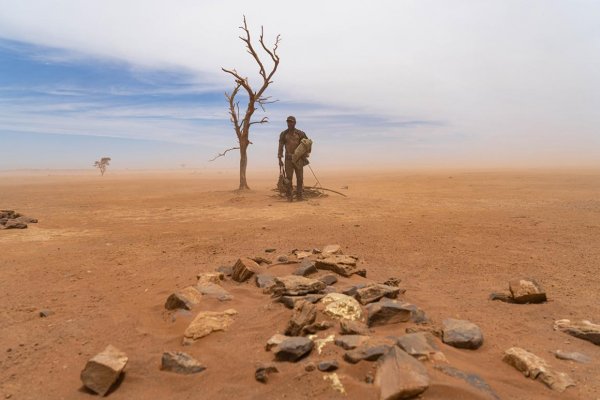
(340, 264)
(263, 370)
(46, 313)
(336, 384)
(416, 314)
(243, 269)
(400, 376)
(581, 329)
(316, 327)
(348, 327)
(395, 282)
(290, 301)
(261, 260)
(305, 313)
(26, 220)
(331, 249)
(293, 285)
(293, 348)
(527, 291)
(316, 251)
(472, 379)
(461, 334)
(180, 363)
(371, 350)
(214, 290)
(372, 293)
(434, 330)
(361, 272)
(328, 365)
(340, 306)
(352, 290)
(572, 356)
(421, 346)
(536, 368)
(328, 279)
(185, 299)
(207, 322)
(349, 342)
(214, 278)
(265, 281)
(225, 270)
(310, 366)
(103, 370)
(300, 255)
(275, 340)
(283, 259)
(270, 250)
(14, 224)
(505, 297)
(306, 267)
(387, 312)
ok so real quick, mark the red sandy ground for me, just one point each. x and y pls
(108, 251)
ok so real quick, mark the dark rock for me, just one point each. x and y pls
(348, 327)
(395, 282)
(421, 346)
(316, 327)
(352, 290)
(293, 285)
(7, 214)
(369, 351)
(261, 260)
(328, 365)
(225, 270)
(472, 379)
(185, 299)
(270, 250)
(26, 220)
(14, 224)
(328, 279)
(361, 272)
(572, 356)
(310, 366)
(305, 313)
(527, 291)
(349, 342)
(329, 289)
(263, 370)
(181, 363)
(283, 259)
(103, 370)
(372, 293)
(290, 301)
(46, 313)
(504, 297)
(434, 330)
(461, 334)
(417, 315)
(293, 348)
(387, 312)
(306, 267)
(265, 281)
(243, 269)
(400, 376)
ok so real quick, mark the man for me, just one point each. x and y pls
(290, 139)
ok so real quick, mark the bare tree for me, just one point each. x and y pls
(241, 124)
(102, 164)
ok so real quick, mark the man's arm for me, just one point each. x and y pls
(280, 150)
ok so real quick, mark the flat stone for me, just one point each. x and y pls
(422, 346)
(300, 255)
(352, 290)
(275, 340)
(180, 363)
(184, 299)
(26, 220)
(340, 264)
(461, 334)
(504, 297)
(290, 301)
(536, 368)
(393, 281)
(328, 279)
(210, 277)
(371, 350)
(265, 281)
(244, 268)
(527, 291)
(432, 329)
(103, 370)
(572, 356)
(207, 322)
(328, 365)
(14, 224)
(214, 290)
(293, 348)
(372, 293)
(331, 249)
(293, 285)
(340, 306)
(306, 267)
(349, 342)
(263, 371)
(316, 327)
(400, 376)
(261, 260)
(348, 327)
(304, 314)
(387, 312)
(46, 313)
(474, 380)
(580, 329)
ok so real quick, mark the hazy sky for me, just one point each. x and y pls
(409, 83)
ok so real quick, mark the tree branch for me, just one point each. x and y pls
(264, 120)
(223, 153)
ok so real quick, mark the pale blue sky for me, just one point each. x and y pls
(407, 83)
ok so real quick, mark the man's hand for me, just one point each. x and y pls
(280, 162)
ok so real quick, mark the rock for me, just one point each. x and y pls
(572, 356)
(461, 334)
(536, 368)
(581, 329)
(207, 322)
(310, 366)
(527, 291)
(26, 220)
(328, 279)
(348, 327)
(331, 249)
(103, 370)
(349, 342)
(7, 214)
(371, 350)
(293, 348)
(505, 297)
(387, 312)
(340, 264)
(300, 255)
(261, 260)
(14, 224)
(330, 289)
(399, 376)
(472, 379)
(372, 293)
(316, 327)
(283, 259)
(290, 301)
(46, 313)
(395, 282)
(243, 269)
(180, 363)
(328, 365)
(305, 313)
(263, 370)
(210, 277)
(421, 346)
(306, 267)
(352, 290)
(275, 340)
(185, 299)
(340, 306)
(225, 270)
(434, 330)
(265, 281)
(293, 285)
(214, 290)
(270, 250)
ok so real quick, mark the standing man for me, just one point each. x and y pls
(290, 139)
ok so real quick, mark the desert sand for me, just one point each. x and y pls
(108, 251)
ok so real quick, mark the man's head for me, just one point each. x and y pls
(291, 122)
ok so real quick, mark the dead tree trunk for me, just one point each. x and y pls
(241, 124)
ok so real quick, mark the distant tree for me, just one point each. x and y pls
(102, 164)
(241, 124)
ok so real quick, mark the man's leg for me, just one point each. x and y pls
(289, 172)
(300, 181)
